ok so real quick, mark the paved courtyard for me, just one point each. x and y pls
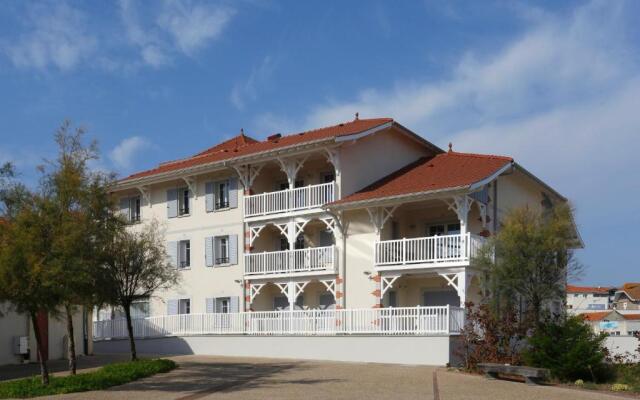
(201, 377)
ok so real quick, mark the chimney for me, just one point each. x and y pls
(274, 137)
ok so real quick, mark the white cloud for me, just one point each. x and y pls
(191, 25)
(561, 98)
(152, 49)
(56, 35)
(248, 90)
(123, 155)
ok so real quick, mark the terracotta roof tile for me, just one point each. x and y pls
(587, 289)
(596, 316)
(632, 317)
(443, 171)
(230, 149)
(632, 289)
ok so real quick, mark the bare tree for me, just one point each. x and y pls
(136, 267)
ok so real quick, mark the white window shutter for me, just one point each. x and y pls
(233, 193)
(172, 251)
(124, 207)
(210, 305)
(234, 304)
(233, 249)
(172, 203)
(208, 197)
(208, 251)
(172, 307)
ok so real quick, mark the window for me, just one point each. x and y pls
(134, 209)
(140, 309)
(282, 303)
(443, 229)
(328, 177)
(222, 195)
(183, 201)
(130, 208)
(327, 301)
(222, 249)
(223, 305)
(184, 306)
(184, 254)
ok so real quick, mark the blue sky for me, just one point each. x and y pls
(556, 86)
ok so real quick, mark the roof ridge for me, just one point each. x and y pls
(478, 155)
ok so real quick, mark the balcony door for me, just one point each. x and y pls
(432, 298)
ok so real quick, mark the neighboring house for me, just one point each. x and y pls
(13, 327)
(613, 322)
(582, 299)
(627, 297)
(360, 217)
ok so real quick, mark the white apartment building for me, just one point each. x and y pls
(359, 228)
(582, 299)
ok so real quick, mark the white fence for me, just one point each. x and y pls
(422, 321)
(433, 249)
(291, 261)
(287, 200)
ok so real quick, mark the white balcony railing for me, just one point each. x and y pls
(291, 261)
(303, 198)
(378, 321)
(433, 249)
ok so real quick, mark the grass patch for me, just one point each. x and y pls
(107, 376)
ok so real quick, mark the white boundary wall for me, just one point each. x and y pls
(621, 345)
(416, 350)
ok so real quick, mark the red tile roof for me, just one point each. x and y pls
(632, 289)
(632, 317)
(443, 171)
(587, 289)
(596, 316)
(242, 145)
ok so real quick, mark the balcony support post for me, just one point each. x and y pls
(291, 167)
(146, 194)
(460, 282)
(333, 157)
(379, 216)
(247, 174)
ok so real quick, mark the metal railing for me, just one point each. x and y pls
(433, 249)
(418, 321)
(288, 200)
(291, 261)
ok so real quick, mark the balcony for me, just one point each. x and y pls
(289, 200)
(310, 260)
(433, 251)
(403, 321)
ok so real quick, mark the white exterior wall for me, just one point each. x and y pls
(374, 157)
(416, 350)
(587, 302)
(199, 282)
(14, 325)
(11, 325)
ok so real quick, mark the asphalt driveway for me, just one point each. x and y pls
(202, 377)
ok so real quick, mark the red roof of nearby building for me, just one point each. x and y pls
(596, 316)
(632, 289)
(443, 171)
(242, 145)
(587, 289)
(631, 316)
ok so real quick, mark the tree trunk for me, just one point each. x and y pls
(71, 342)
(132, 342)
(44, 371)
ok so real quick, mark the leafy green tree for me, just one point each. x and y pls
(136, 267)
(569, 348)
(527, 263)
(27, 281)
(82, 218)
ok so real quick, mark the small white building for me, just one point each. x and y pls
(18, 342)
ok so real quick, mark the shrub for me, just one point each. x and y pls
(488, 337)
(107, 376)
(620, 387)
(569, 348)
(579, 382)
